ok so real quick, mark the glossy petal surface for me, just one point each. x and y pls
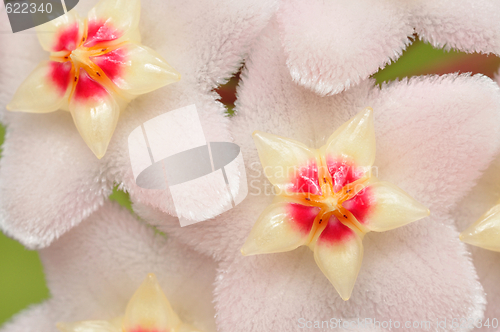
(288, 164)
(347, 203)
(95, 113)
(112, 21)
(354, 141)
(339, 253)
(282, 226)
(149, 309)
(44, 90)
(136, 69)
(62, 34)
(383, 207)
(485, 232)
(90, 59)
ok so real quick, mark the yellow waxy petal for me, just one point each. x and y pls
(485, 232)
(149, 310)
(89, 326)
(62, 34)
(45, 90)
(382, 206)
(95, 113)
(113, 21)
(339, 253)
(353, 141)
(347, 190)
(136, 69)
(289, 165)
(283, 226)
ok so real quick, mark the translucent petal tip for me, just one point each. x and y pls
(248, 250)
(485, 232)
(470, 236)
(149, 309)
(99, 149)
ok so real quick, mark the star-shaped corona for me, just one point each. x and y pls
(96, 67)
(147, 311)
(485, 232)
(327, 199)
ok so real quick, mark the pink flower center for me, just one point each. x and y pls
(333, 196)
(85, 63)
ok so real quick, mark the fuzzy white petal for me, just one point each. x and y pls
(466, 25)
(49, 178)
(332, 45)
(487, 263)
(423, 146)
(93, 271)
(205, 43)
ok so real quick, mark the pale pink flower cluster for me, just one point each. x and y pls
(307, 68)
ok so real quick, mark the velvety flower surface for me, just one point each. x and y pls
(148, 310)
(49, 179)
(96, 67)
(434, 136)
(331, 45)
(328, 199)
(483, 198)
(95, 269)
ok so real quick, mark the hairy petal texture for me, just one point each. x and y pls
(430, 132)
(205, 43)
(418, 151)
(93, 271)
(49, 181)
(332, 45)
(209, 40)
(482, 198)
(467, 25)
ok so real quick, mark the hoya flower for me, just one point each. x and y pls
(49, 180)
(147, 310)
(328, 200)
(434, 136)
(96, 274)
(331, 45)
(96, 67)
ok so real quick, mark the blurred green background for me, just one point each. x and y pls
(22, 280)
